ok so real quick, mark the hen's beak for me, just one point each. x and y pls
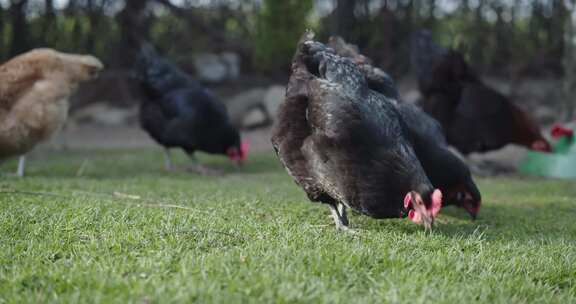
(471, 209)
(473, 215)
(93, 65)
(94, 73)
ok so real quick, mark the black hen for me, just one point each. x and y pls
(177, 112)
(345, 144)
(445, 170)
(475, 117)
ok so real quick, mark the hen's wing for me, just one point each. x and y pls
(193, 103)
(352, 157)
(421, 125)
(482, 120)
(192, 117)
(17, 76)
(526, 130)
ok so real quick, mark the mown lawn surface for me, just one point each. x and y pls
(125, 231)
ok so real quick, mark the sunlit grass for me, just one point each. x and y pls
(112, 226)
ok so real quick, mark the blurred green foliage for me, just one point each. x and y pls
(279, 25)
(497, 36)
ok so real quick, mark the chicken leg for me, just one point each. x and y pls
(340, 217)
(343, 213)
(21, 165)
(168, 160)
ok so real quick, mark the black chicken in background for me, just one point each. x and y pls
(345, 144)
(445, 170)
(474, 116)
(177, 112)
(423, 56)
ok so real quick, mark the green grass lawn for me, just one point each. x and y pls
(126, 231)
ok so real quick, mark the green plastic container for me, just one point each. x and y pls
(559, 164)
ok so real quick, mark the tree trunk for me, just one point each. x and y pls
(570, 65)
(2, 33)
(71, 7)
(94, 13)
(243, 48)
(344, 19)
(49, 22)
(557, 26)
(133, 31)
(431, 18)
(19, 43)
(49, 9)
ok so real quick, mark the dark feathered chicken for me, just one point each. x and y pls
(345, 144)
(444, 169)
(178, 112)
(476, 118)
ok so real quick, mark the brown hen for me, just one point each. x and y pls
(34, 92)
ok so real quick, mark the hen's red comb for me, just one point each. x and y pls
(560, 131)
